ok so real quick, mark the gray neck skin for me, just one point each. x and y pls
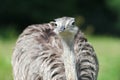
(68, 55)
(68, 37)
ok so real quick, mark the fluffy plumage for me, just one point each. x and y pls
(43, 53)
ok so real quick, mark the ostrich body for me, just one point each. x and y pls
(54, 51)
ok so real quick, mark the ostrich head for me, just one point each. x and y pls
(65, 24)
(65, 27)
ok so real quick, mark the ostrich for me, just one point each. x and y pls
(54, 51)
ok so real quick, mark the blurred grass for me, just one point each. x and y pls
(107, 49)
(6, 47)
(108, 52)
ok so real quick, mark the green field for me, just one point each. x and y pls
(108, 52)
(107, 49)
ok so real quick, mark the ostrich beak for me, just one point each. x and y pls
(62, 28)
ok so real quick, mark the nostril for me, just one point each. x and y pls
(62, 28)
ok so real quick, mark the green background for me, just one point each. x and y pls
(98, 19)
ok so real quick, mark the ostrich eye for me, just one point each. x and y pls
(55, 24)
(73, 23)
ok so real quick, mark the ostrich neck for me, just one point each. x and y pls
(68, 37)
(68, 55)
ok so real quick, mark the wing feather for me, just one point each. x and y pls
(86, 59)
(38, 53)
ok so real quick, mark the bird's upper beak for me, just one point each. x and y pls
(62, 28)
